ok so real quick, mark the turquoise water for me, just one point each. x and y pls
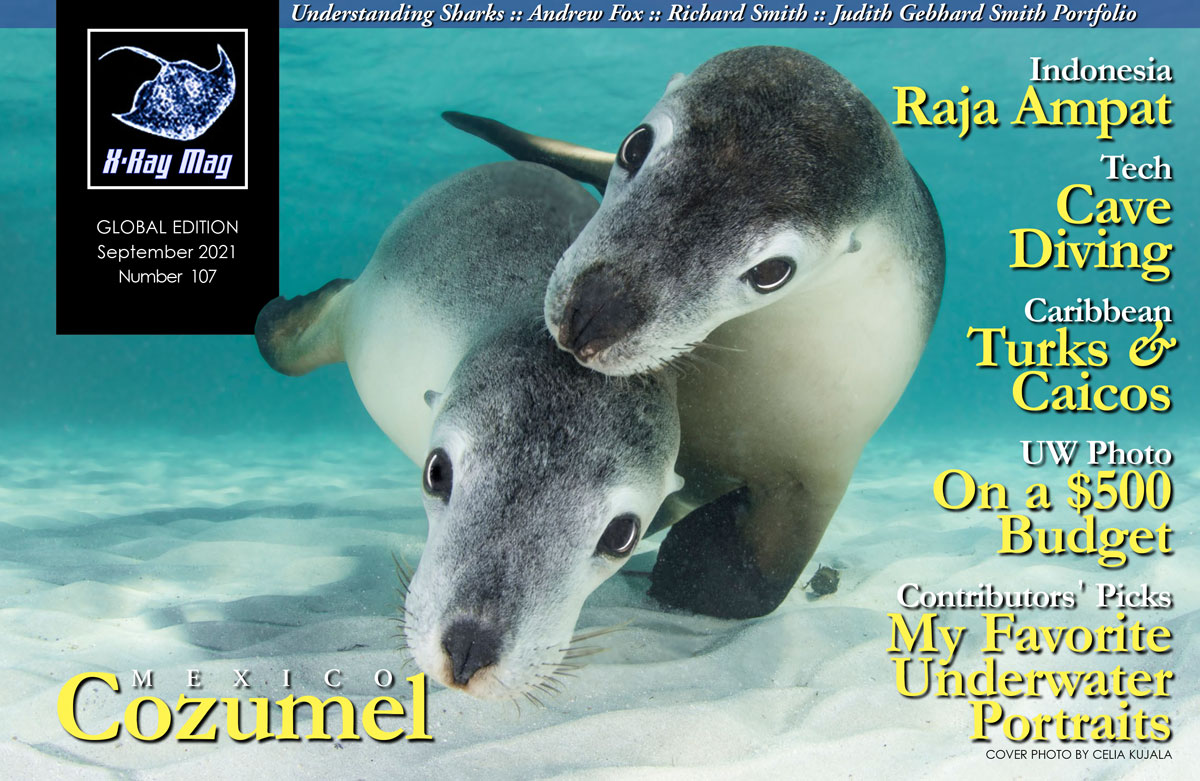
(171, 501)
(360, 137)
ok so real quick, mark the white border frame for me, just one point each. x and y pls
(244, 78)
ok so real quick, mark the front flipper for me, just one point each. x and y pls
(739, 555)
(704, 566)
(589, 166)
(296, 335)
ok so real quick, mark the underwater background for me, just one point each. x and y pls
(361, 136)
(109, 441)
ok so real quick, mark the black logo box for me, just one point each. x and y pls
(113, 82)
(91, 299)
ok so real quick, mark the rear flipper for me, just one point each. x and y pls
(296, 335)
(589, 166)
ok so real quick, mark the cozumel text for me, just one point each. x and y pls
(195, 722)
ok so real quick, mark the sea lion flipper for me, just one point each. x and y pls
(590, 166)
(739, 555)
(297, 335)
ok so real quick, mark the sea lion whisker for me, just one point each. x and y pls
(404, 575)
(547, 685)
(669, 364)
(694, 361)
(698, 359)
(711, 346)
(402, 564)
(589, 634)
(576, 653)
(680, 363)
(512, 694)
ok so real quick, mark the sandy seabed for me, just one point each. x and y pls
(155, 551)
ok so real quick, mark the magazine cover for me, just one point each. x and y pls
(599, 390)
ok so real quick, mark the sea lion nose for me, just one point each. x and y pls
(598, 314)
(471, 646)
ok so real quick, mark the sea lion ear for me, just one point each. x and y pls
(431, 398)
(675, 83)
(854, 245)
(676, 482)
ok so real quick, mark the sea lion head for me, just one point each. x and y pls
(540, 479)
(744, 180)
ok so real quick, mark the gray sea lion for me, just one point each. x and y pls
(539, 476)
(762, 205)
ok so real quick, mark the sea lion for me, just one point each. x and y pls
(763, 205)
(540, 476)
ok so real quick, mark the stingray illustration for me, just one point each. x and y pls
(183, 100)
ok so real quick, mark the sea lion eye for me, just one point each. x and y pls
(770, 275)
(620, 536)
(438, 475)
(635, 148)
